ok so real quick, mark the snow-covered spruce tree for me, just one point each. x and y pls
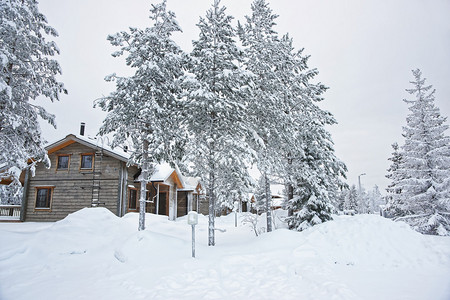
(217, 106)
(375, 199)
(27, 71)
(422, 178)
(395, 203)
(260, 195)
(392, 174)
(145, 107)
(369, 201)
(363, 201)
(264, 58)
(309, 163)
(316, 178)
(340, 199)
(351, 200)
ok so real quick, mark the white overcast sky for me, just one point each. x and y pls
(364, 51)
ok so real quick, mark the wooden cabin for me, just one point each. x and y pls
(86, 173)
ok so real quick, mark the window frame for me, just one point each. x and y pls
(50, 196)
(57, 162)
(136, 200)
(81, 161)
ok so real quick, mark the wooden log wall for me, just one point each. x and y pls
(72, 188)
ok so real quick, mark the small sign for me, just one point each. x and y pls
(192, 218)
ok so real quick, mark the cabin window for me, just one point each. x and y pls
(132, 199)
(43, 197)
(63, 162)
(87, 161)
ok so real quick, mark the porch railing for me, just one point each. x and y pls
(10, 212)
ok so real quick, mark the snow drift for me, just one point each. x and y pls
(92, 254)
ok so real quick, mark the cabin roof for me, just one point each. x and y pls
(89, 142)
(191, 183)
(162, 171)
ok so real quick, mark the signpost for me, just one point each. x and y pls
(193, 220)
(236, 208)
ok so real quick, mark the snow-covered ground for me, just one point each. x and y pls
(93, 254)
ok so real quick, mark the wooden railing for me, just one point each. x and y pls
(9, 212)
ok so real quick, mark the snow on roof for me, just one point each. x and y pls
(103, 142)
(93, 142)
(162, 172)
(249, 197)
(277, 190)
(190, 183)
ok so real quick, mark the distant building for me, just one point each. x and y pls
(278, 199)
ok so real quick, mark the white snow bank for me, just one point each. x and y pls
(92, 254)
(371, 241)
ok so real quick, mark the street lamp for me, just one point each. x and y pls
(359, 181)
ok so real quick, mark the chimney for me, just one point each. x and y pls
(125, 148)
(82, 128)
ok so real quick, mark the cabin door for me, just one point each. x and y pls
(163, 204)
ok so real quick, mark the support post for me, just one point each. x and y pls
(193, 241)
(193, 220)
(23, 208)
(157, 200)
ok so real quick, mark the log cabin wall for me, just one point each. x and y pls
(72, 188)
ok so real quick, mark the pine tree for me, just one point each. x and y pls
(217, 106)
(340, 199)
(394, 204)
(351, 200)
(145, 107)
(375, 199)
(423, 176)
(260, 196)
(27, 71)
(263, 60)
(363, 201)
(309, 162)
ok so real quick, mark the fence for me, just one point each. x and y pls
(10, 212)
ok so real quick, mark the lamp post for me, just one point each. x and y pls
(359, 182)
(360, 197)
